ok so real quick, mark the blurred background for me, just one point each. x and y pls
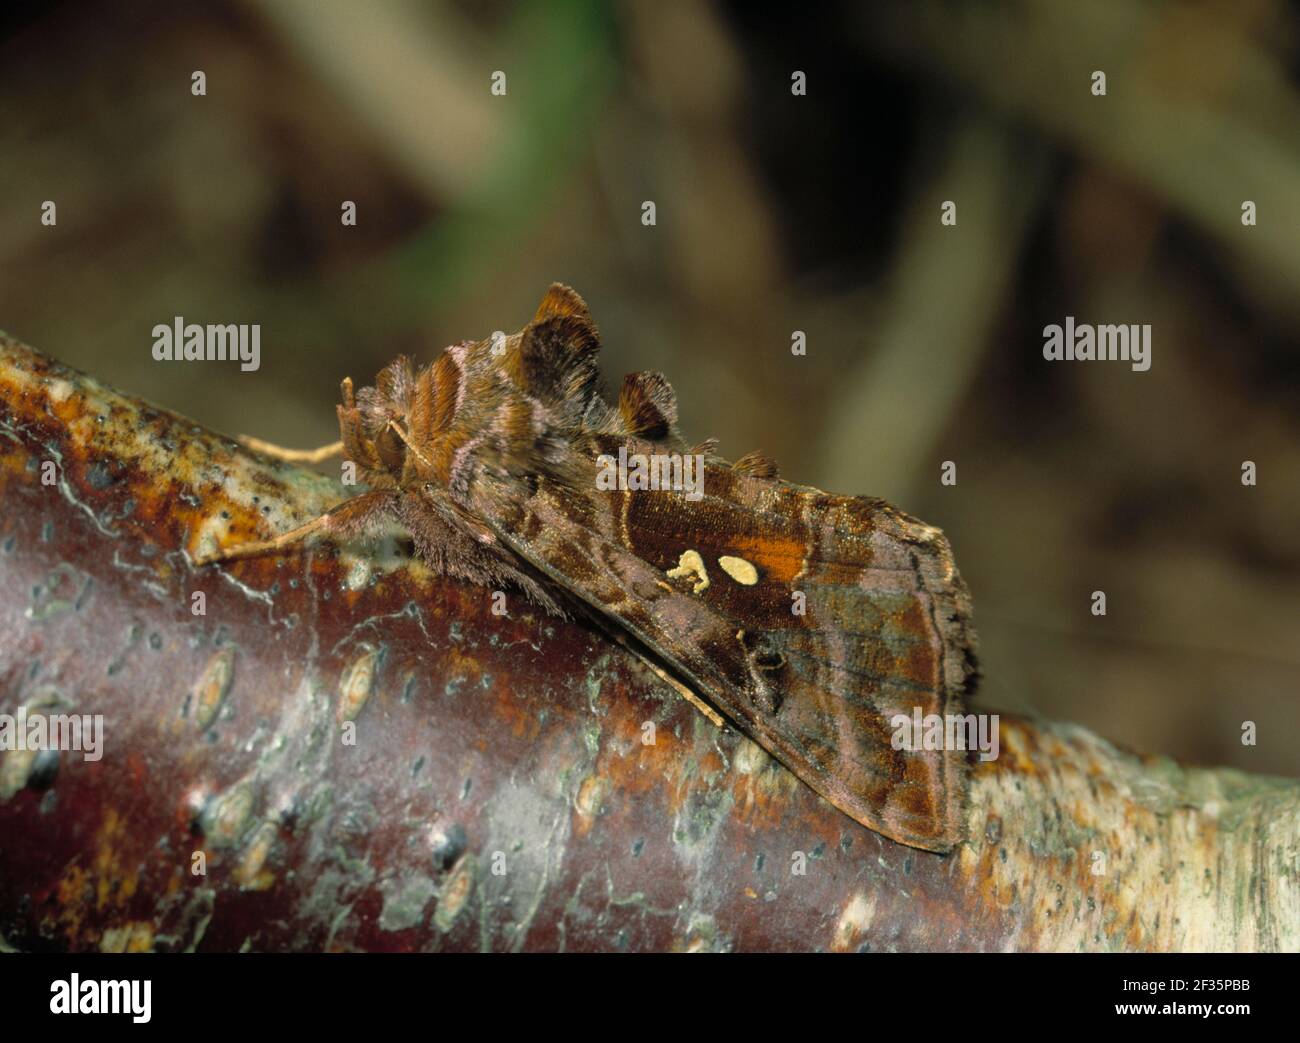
(774, 213)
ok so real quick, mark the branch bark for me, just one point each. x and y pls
(498, 794)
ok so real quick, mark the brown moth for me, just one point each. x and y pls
(810, 620)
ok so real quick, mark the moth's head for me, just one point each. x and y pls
(409, 421)
(517, 405)
(376, 424)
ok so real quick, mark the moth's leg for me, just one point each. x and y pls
(296, 456)
(677, 686)
(347, 519)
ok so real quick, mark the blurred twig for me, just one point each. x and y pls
(1200, 146)
(949, 286)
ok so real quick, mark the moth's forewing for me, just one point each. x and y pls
(882, 632)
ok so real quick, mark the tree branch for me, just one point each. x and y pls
(498, 794)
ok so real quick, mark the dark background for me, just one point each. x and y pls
(775, 213)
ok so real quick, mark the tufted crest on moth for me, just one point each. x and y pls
(561, 300)
(648, 405)
(556, 362)
(394, 388)
(420, 416)
(756, 464)
(443, 392)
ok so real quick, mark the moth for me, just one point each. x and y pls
(811, 621)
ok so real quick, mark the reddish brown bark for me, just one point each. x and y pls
(499, 794)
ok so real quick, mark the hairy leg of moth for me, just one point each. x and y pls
(672, 682)
(347, 519)
(295, 456)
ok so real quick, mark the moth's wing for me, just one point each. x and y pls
(883, 630)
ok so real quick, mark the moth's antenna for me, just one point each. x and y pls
(409, 444)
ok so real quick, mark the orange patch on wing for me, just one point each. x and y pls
(776, 557)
